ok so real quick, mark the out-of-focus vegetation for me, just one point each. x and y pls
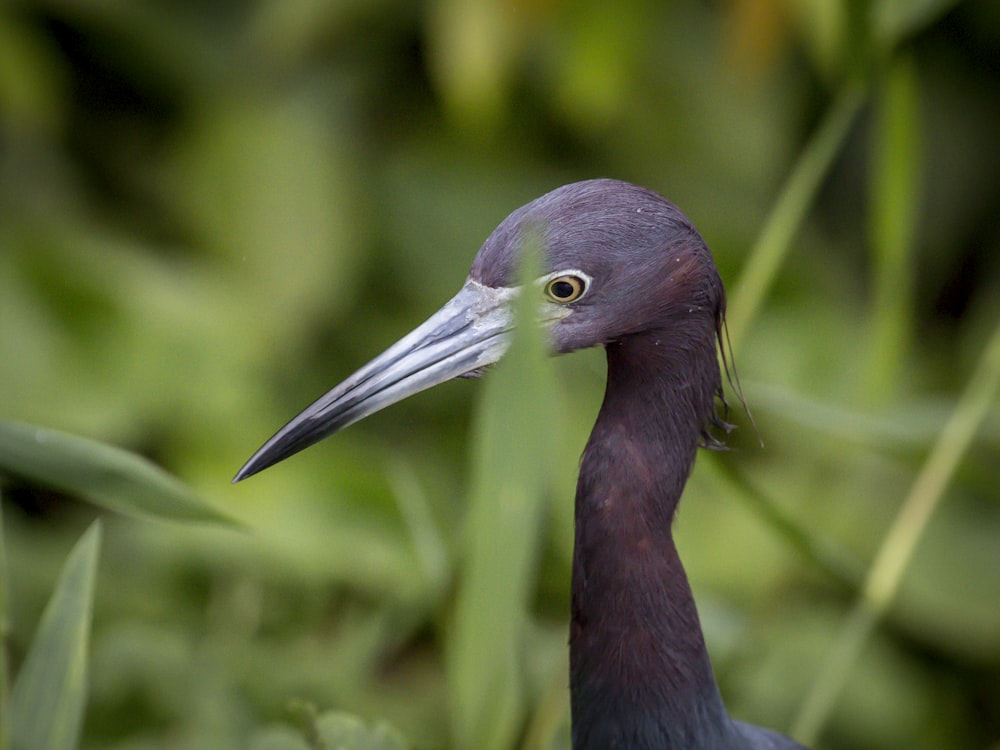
(212, 212)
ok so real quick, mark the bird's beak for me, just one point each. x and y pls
(469, 333)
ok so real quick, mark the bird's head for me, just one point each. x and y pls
(619, 261)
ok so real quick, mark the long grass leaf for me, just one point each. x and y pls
(790, 210)
(428, 544)
(513, 441)
(840, 567)
(903, 428)
(895, 194)
(101, 474)
(551, 710)
(894, 554)
(49, 695)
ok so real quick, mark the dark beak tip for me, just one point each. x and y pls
(251, 467)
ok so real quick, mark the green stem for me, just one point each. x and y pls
(838, 566)
(896, 552)
(896, 188)
(790, 210)
(550, 712)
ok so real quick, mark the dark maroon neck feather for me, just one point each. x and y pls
(640, 676)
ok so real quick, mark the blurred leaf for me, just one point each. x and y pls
(949, 595)
(894, 20)
(48, 698)
(148, 36)
(102, 474)
(333, 730)
(823, 24)
(790, 209)
(596, 75)
(278, 738)
(339, 731)
(31, 99)
(265, 178)
(513, 444)
(472, 48)
(824, 555)
(895, 197)
(415, 510)
(896, 551)
(285, 32)
(907, 426)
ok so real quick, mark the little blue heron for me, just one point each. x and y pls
(626, 270)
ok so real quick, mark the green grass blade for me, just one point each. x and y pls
(102, 474)
(429, 546)
(896, 551)
(909, 426)
(790, 211)
(551, 711)
(49, 695)
(836, 564)
(513, 442)
(894, 200)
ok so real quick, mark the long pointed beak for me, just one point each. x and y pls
(470, 332)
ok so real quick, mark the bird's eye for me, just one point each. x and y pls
(565, 289)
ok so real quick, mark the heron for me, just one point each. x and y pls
(625, 269)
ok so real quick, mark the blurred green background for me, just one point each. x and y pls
(210, 213)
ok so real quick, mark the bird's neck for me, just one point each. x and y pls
(640, 676)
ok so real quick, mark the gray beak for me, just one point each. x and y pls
(467, 334)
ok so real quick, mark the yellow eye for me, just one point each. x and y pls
(565, 289)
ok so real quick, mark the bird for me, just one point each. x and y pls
(625, 269)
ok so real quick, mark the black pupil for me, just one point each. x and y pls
(562, 289)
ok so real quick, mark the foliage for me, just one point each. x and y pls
(107, 476)
(48, 699)
(213, 212)
(329, 731)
